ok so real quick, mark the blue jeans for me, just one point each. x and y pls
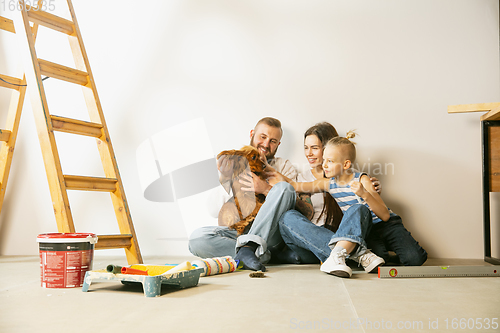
(304, 237)
(218, 241)
(393, 236)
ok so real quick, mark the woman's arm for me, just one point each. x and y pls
(304, 205)
(376, 184)
(366, 190)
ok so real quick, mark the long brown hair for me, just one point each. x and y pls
(325, 132)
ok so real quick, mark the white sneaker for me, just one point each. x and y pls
(335, 264)
(369, 260)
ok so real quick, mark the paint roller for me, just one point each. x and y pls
(114, 269)
(155, 270)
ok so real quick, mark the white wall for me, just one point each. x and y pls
(387, 68)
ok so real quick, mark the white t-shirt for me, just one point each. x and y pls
(318, 199)
(284, 167)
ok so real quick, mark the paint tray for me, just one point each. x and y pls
(151, 284)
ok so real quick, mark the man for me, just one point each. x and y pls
(254, 247)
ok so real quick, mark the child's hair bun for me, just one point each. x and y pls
(350, 134)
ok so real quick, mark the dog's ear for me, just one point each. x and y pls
(251, 153)
(231, 153)
(239, 159)
(253, 157)
(225, 152)
(248, 149)
(240, 164)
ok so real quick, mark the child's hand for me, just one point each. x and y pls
(358, 189)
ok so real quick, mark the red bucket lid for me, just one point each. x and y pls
(67, 237)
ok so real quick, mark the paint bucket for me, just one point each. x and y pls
(65, 258)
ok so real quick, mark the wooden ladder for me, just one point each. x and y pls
(46, 124)
(8, 135)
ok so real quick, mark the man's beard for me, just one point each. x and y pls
(269, 154)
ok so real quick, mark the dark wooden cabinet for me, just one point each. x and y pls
(491, 179)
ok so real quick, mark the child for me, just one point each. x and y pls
(362, 208)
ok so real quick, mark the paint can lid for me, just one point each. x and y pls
(67, 238)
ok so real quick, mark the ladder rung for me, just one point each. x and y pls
(62, 72)
(7, 25)
(74, 126)
(50, 21)
(113, 241)
(84, 183)
(16, 83)
(4, 135)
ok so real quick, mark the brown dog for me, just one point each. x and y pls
(239, 212)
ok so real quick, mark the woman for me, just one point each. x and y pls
(326, 211)
(298, 232)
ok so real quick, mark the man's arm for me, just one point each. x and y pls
(253, 183)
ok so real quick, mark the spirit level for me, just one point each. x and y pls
(437, 271)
